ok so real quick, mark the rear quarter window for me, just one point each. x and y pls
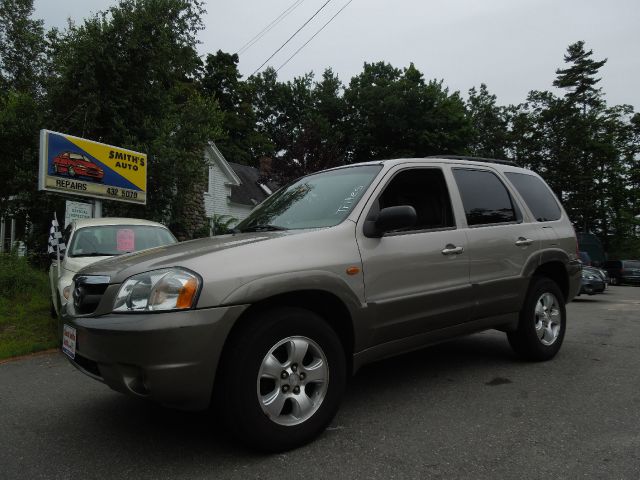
(537, 196)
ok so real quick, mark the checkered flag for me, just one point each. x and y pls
(56, 244)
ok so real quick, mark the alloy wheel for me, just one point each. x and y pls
(548, 318)
(292, 380)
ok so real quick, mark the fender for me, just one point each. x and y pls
(571, 269)
(272, 285)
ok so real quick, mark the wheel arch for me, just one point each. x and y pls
(555, 270)
(326, 304)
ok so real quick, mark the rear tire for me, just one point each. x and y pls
(542, 322)
(282, 378)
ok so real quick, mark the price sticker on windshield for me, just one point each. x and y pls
(125, 240)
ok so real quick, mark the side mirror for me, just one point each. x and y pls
(389, 219)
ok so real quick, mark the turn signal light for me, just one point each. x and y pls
(187, 292)
(353, 270)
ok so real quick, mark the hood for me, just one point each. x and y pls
(75, 264)
(186, 254)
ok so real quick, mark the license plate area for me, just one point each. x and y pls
(69, 341)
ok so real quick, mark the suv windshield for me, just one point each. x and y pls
(315, 201)
(108, 240)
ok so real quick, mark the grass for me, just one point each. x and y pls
(25, 322)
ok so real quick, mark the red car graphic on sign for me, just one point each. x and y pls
(76, 165)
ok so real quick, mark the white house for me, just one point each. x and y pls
(233, 189)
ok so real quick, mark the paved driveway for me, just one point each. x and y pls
(465, 409)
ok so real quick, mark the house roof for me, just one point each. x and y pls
(252, 190)
(216, 155)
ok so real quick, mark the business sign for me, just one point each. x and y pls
(77, 166)
(76, 211)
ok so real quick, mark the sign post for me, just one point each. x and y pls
(97, 209)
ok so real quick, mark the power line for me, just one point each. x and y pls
(314, 35)
(289, 39)
(268, 28)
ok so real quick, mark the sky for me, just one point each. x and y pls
(513, 46)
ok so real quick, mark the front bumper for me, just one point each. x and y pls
(591, 287)
(168, 357)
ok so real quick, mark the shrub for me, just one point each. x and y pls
(19, 279)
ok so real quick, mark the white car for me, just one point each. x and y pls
(91, 240)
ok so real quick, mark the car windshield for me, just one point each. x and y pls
(76, 156)
(319, 200)
(108, 240)
(631, 264)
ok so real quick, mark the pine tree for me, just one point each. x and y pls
(580, 77)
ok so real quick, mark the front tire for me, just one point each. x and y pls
(282, 378)
(543, 321)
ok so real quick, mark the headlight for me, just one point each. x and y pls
(166, 289)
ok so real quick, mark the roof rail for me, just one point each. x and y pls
(475, 159)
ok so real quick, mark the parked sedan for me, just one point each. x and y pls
(91, 240)
(592, 281)
(77, 165)
(604, 274)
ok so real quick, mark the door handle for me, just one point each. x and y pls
(523, 242)
(452, 250)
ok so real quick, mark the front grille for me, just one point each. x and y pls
(87, 292)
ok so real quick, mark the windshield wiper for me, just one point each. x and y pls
(93, 254)
(265, 227)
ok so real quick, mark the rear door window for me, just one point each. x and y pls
(537, 196)
(485, 198)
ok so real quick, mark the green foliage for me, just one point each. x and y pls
(25, 323)
(587, 151)
(222, 224)
(20, 118)
(132, 76)
(395, 113)
(128, 77)
(621, 248)
(22, 47)
(580, 76)
(489, 123)
(306, 121)
(23, 66)
(241, 142)
(18, 278)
